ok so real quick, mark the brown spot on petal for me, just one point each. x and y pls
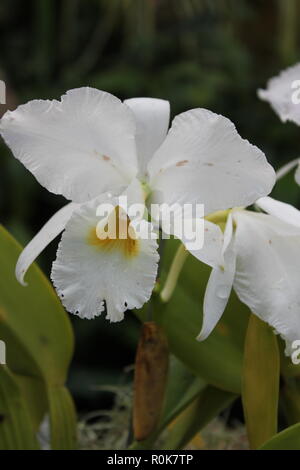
(106, 158)
(182, 162)
(208, 164)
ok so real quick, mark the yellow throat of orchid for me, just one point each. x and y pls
(115, 234)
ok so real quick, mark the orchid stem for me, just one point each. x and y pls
(286, 168)
(173, 275)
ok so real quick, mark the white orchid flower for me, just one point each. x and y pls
(261, 252)
(91, 143)
(283, 94)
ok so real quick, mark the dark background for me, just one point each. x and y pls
(212, 54)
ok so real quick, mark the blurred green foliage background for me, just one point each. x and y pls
(195, 53)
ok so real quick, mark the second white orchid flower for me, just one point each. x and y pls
(261, 252)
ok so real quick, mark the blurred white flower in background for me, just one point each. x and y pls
(283, 94)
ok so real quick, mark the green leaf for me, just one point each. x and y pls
(182, 388)
(33, 320)
(39, 343)
(260, 389)
(62, 419)
(34, 392)
(289, 439)
(216, 360)
(16, 428)
(201, 411)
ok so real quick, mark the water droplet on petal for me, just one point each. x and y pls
(222, 292)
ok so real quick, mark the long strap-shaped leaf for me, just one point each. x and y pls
(39, 339)
(62, 418)
(204, 408)
(260, 382)
(16, 428)
(289, 439)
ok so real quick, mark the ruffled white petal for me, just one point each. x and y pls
(268, 271)
(49, 231)
(219, 285)
(204, 160)
(279, 94)
(89, 277)
(152, 120)
(279, 209)
(79, 147)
